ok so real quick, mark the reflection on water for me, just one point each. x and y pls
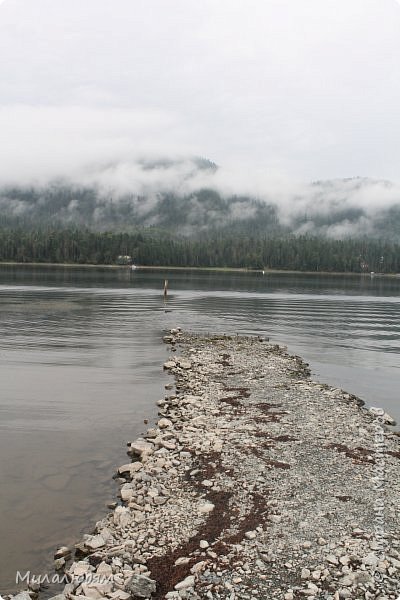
(80, 369)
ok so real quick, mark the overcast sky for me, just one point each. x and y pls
(296, 89)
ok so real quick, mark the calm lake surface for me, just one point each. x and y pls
(81, 368)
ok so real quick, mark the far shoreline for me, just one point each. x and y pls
(265, 271)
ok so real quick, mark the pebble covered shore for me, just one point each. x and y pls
(255, 483)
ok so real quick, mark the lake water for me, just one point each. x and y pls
(81, 369)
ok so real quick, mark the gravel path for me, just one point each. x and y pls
(256, 483)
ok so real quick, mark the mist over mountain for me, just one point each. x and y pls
(191, 196)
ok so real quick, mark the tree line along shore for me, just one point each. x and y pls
(212, 250)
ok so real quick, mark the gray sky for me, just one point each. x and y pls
(271, 89)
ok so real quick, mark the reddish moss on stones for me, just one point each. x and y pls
(359, 455)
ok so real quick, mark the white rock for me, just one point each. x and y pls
(22, 596)
(190, 399)
(94, 542)
(186, 583)
(119, 595)
(198, 566)
(79, 569)
(316, 575)
(153, 492)
(182, 560)
(96, 590)
(130, 468)
(122, 516)
(275, 518)
(151, 433)
(104, 570)
(106, 534)
(168, 445)
(185, 364)
(127, 492)
(371, 560)
(62, 552)
(388, 419)
(140, 447)
(207, 483)
(170, 364)
(164, 423)
(218, 445)
(200, 421)
(205, 508)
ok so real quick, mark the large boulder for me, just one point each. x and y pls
(140, 448)
(22, 596)
(94, 542)
(62, 552)
(141, 587)
(130, 469)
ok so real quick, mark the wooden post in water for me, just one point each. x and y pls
(165, 289)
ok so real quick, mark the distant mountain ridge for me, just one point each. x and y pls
(335, 208)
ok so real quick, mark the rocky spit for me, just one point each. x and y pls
(255, 483)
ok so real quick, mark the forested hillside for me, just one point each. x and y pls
(190, 202)
(60, 205)
(180, 213)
